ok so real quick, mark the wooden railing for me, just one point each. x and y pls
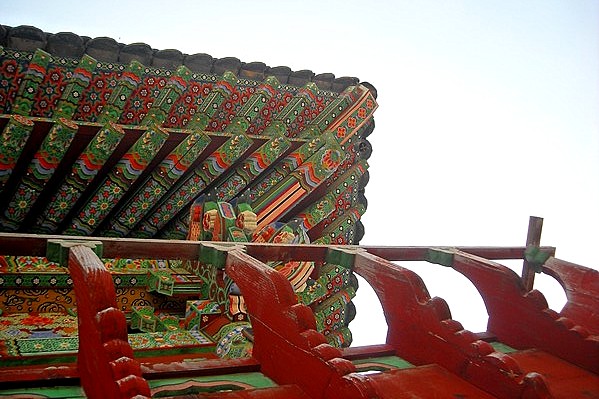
(522, 318)
(420, 327)
(422, 331)
(36, 244)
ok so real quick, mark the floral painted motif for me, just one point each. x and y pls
(93, 91)
(114, 186)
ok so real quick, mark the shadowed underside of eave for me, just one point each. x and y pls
(108, 148)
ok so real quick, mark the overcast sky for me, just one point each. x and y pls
(488, 109)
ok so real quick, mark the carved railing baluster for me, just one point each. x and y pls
(105, 360)
(581, 285)
(422, 331)
(285, 334)
(521, 318)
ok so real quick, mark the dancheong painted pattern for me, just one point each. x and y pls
(174, 225)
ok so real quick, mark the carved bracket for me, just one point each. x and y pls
(58, 250)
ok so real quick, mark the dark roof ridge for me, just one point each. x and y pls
(105, 49)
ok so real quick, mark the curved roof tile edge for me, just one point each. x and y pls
(105, 49)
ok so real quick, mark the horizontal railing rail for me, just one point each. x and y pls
(35, 245)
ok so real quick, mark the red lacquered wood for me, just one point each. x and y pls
(179, 366)
(104, 361)
(563, 379)
(419, 253)
(280, 392)
(35, 245)
(422, 332)
(424, 382)
(22, 375)
(522, 319)
(286, 343)
(289, 350)
(365, 352)
(581, 285)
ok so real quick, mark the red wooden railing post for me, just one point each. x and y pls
(422, 331)
(105, 360)
(522, 318)
(286, 343)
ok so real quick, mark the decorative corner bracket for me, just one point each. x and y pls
(58, 250)
(536, 258)
(343, 256)
(215, 254)
(440, 256)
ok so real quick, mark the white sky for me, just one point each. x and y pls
(488, 109)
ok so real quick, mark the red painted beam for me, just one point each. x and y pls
(423, 382)
(25, 376)
(161, 368)
(365, 352)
